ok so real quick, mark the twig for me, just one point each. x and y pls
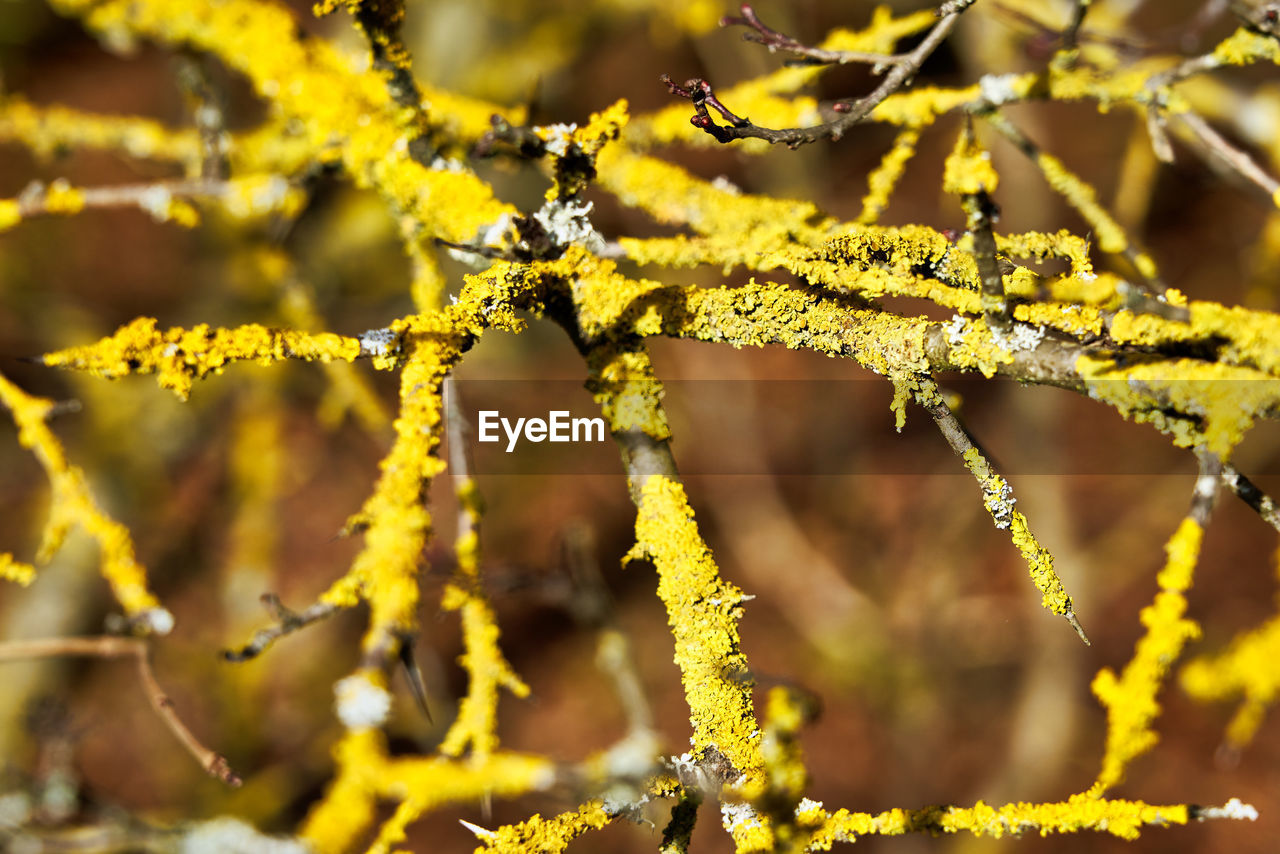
(1071, 34)
(982, 213)
(1235, 159)
(381, 22)
(1194, 30)
(1046, 36)
(207, 111)
(962, 442)
(1088, 209)
(1264, 18)
(1157, 96)
(154, 198)
(678, 834)
(413, 675)
(287, 622)
(852, 111)
(776, 41)
(107, 646)
(520, 137)
(1205, 494)
(592, 605)
(1248, 492)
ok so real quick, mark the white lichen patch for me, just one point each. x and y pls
(997, 497)
(378, 342)
(1021, 337)
(360, 703)
(724, 185)
(566, 223)
(809, 811)
(1234, 808)
(450, 164)
(735, 817)
(156, 201)
(558, 138)
(157, 621)
(997, 89)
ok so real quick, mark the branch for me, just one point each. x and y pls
(982, 214)
(998, 498)
(244, 197)
(776, 41)
(107, 646)
(287, 622)
(1248, 492)
(1071, 34)
(1215, 145)
(1079, 195)
(852, 111)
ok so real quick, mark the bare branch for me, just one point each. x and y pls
(108, 646)
(156, 198)
(852, 111)
(1239, 162)
(1072, 32)
(776, 41)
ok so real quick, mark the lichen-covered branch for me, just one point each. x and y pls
(72, 504)
(1130, 698)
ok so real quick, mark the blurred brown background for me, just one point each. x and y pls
(883, 588)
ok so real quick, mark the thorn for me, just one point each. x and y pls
(1075, 624)
(414, 677)
(481, 834)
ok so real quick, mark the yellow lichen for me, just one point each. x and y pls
(1124, 819)
(884, 178)
(622, 381)
(1197, 403)
(703, 612)
(312, 82)
(10, 214)
(968, 169)
(546, 835)
(1038, 245)
(1245, 47)
(1245, 670)
(326, 112)
(73, 504)
(15, 570)
(393, 518)
(366, 774)
(487, 671)
(1130, 699)
(671, 195)
(180, 356)
(1110, 235)
(997, 496)
(61, 198)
